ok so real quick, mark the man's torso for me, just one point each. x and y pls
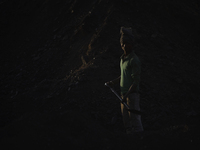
(130, 72)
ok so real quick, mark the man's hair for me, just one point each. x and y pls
(126, 35)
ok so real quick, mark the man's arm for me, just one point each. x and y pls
(131, 90)
(115, 81)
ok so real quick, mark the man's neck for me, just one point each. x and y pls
(126, 53)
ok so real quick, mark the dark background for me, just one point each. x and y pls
(57, 55)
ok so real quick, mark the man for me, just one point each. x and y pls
(129, 82)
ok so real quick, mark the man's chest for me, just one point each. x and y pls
(125, 64)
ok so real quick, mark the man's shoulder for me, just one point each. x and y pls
(135, 61)
(134, 57)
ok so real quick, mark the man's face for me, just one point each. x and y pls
(126, 46)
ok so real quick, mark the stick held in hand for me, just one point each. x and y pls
(130, 110)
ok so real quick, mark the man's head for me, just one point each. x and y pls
(126, 39)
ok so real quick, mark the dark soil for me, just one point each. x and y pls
(57, 55)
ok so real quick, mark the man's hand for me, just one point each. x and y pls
(110, 83)
(124, 99)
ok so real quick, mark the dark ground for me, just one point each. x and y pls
(57, 55)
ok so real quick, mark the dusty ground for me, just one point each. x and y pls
(56, 57)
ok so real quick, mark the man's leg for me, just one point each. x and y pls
(125, 117)
(135, 120)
